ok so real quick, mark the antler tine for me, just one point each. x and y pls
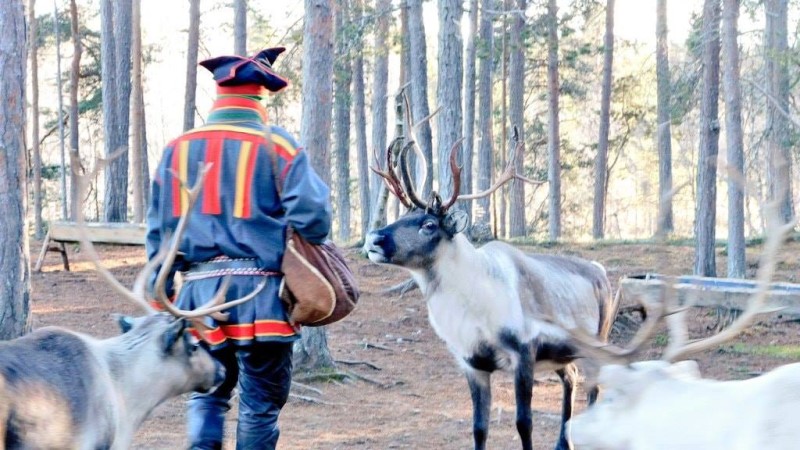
(389, 175)
(456, 170)
(87, 246)
(410, 133)
(776, 234)
(603, 351)
(509, 173)
(409, 185)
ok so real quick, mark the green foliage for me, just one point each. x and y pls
(791, 352)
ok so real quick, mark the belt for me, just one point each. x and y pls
(223, 266)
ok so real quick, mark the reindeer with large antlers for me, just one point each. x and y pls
(487, 303)
(61, 389)
(665, 404)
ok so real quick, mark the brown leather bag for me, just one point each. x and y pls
(318, 287)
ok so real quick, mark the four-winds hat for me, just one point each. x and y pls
(239, 70)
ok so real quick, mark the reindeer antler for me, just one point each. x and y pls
(164, 258)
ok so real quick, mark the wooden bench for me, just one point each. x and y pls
(61, 232)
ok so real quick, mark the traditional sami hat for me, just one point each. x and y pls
(239, 70)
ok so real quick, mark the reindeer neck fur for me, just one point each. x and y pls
(468, 296)
(125, 355)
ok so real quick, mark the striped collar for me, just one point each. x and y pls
(232, 107)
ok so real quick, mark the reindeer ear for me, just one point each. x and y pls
(455, 221)
(172, 334)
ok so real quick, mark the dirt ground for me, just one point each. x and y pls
(407, 392)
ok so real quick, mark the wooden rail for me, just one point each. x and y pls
(61, 232)
(727, 293)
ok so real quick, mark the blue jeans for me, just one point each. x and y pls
(263, 372)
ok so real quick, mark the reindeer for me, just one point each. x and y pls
(487, 303)
(61, 389)
(665, 404)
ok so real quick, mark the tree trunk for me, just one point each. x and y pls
(115, 66)
(553, 138)
(74, 112)
(705, 213)
(14, 264)
(469, 104)
(38, 225)
(483, 213)
(342, 80)
(360, 118)
(779, 156)
(734, 139)
(420, 109)
(240, 27)
(312, 353)
(190, 94)
(601, 161)
(60, 115)
(383, 11)
(448, 88)
(664, 137)
(516, 110)
(140, 174)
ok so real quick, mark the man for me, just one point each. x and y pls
(238, 227)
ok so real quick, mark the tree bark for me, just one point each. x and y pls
(38, 224)
(779, 145)
(60, 115)
(418, 62)
(115, 66)
(312, 353)
(380, 68)
(470, 78)
(190, 93)
(483, 213)
(74, 112)
(448, 88)
(734, 139)
(14, 264)
(601, 161)
(342, 80)
(240, 27)
(705, 213)
(663, 134)
(553, 138)
(140, 178)
(360, 118)
(516, 110)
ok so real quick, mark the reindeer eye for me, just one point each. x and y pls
(429, 226)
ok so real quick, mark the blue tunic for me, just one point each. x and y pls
(238, 215)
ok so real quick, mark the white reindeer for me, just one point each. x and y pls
(486, 303)
(666, 405)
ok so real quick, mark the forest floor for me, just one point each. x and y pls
(408, 392)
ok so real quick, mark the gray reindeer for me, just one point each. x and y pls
(493, 306)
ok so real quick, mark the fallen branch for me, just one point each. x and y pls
(296, 384)
(357, 363)
(401, 288)
(377, 346)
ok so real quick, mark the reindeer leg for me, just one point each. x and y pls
(523, 390)
(480, 388)
(569, 377)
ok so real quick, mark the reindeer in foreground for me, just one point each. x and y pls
(666, 405)
(486, 303)
(60, 389)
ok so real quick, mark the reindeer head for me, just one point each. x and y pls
(412, 240)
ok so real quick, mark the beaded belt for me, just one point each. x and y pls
(222, 266)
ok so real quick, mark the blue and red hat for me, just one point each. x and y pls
(240, 70)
